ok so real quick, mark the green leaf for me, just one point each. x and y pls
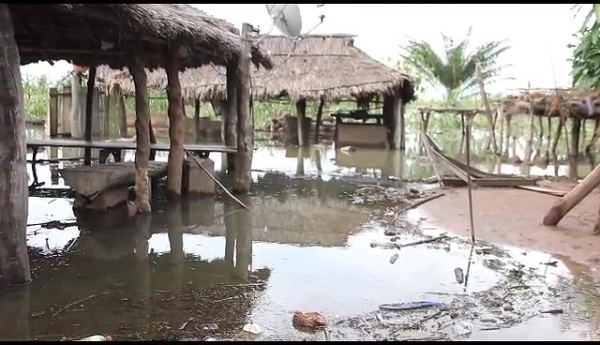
(597, 11)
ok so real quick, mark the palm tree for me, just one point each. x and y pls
(456, 71)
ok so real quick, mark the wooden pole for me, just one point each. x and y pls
(595, 136)
(106, 114)
(398, 120)
(142, 138)
(53, 112)
(245, 133)
(175, 113)
(230, 116)
(563, 205)
(559, 128)
(469, 181)
(529, 142)
(538, 148)
(508, 134)
(197, 118)
(575, 134)
(152, 135)
(488, 109)
(500, 121)
(318, 120)
(14, 266)
(402, 125)
(301, 116)
(89, 106)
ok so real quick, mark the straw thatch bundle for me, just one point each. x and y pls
(327, 66)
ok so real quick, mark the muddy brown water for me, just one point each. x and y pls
(305, 245)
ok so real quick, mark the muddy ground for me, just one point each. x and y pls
(514, 217)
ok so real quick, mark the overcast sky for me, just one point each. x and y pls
(538, 34)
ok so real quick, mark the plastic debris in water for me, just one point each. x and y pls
(251, 328)
(97, 338)
(463, 328)
(459, 275)
(408, 305)
(394, 258)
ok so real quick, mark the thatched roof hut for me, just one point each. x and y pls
(96, 34)
(327, 66)
(571, 102)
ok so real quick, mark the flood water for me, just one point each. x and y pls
(305, 244)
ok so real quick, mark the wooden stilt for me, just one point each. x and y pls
(301, 116)
(575, 133)
(530, 129)
(559, 128)
(197, 119)
(245, 134)
(175, 113)
(595, 136)
(540, 143)
(142, 138)
(318, 120)
(548, 136)
(230, 117)
(89, 106)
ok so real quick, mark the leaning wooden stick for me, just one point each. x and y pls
(215, 180)
(469, 181)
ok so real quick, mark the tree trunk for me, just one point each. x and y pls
(562, 206)
(14, 262)
(142, 138)
(175, 162)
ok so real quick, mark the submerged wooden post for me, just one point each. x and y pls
(53, 112)
(230, 117)
(245, 133)
(142, 138)
(301, 116)
(196, 118)
(14, 266)
(175, 113)
(318, 120)
(89, 106)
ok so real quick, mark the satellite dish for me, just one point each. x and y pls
(286, 18)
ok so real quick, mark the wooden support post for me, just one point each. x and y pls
(152, 135)
(559, 128)
(175, 113)
(14, 266)
(548, 137)
(196, 118)
(508, 133)
(488, 110)
(301, 116)
(530, 129)
(583, 135)
(142, 131)
(540, 143)
(500, 120)
(122, 111)
(463, 132)
(398, 120)
(89, 106)
(563, 205)
(318, 120)
(388, 119)
(575, 133)
(402, 126)
(106, 114)
(595, 136)
(53, 112)
(245, 135)
(230, 116)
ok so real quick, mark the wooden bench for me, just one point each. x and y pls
(117, 147)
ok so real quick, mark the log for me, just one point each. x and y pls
(563, 205)
(230, 117)
(245, 133)
(14, 262)
(89, 107)
(142, 138)
(175, 113)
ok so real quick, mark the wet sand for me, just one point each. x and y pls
(514, 217)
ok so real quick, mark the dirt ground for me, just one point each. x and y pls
(514, 217)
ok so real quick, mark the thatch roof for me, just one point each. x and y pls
(321, 65)
(76, 31)
(572, 102)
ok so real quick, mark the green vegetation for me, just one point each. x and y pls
(455, 71)
(586, 53)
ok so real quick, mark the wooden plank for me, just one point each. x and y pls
(90, 181)
(543, 190)
(123, 145)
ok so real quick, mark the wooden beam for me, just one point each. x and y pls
(245, 135)
(89, 106)
(142, 131)
(14, 266)
(175, 113)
